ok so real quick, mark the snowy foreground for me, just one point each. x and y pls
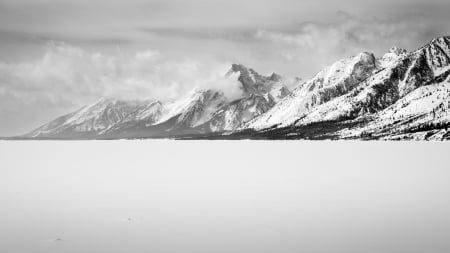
(224, 196)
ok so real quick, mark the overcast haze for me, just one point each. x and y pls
(56, 56)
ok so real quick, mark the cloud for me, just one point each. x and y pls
(67, 77)
(322, 43)
(39, 38)
(233, 34)
(72, 71)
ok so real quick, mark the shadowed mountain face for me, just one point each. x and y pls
(400, 95)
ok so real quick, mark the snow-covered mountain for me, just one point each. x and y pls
(255, 84)
(200, 111)
(422, 114)
(260, 93)
(100, 117)
(395, 96)
(400, 95)
(385, 87)
(237, 113)
(334, 81)
(178, 117)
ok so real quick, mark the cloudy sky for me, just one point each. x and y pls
(56, 56)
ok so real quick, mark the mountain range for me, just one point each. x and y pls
(399, 96)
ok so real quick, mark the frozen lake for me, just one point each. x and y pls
(224, 197)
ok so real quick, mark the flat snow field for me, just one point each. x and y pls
(224, 197)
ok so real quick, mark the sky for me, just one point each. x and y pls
(56, 56)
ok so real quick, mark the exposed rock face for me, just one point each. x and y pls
(255, 84)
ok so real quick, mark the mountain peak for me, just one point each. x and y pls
(398, 50)
(275, 77)
(365, 58)
(393, 55)
(243, 71)
(104, 100)
(235, 67)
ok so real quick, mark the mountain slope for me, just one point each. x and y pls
(422, 114)
(178, 117)
(238, 112)
(99, 117)
(388, 85)
(333, 81)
